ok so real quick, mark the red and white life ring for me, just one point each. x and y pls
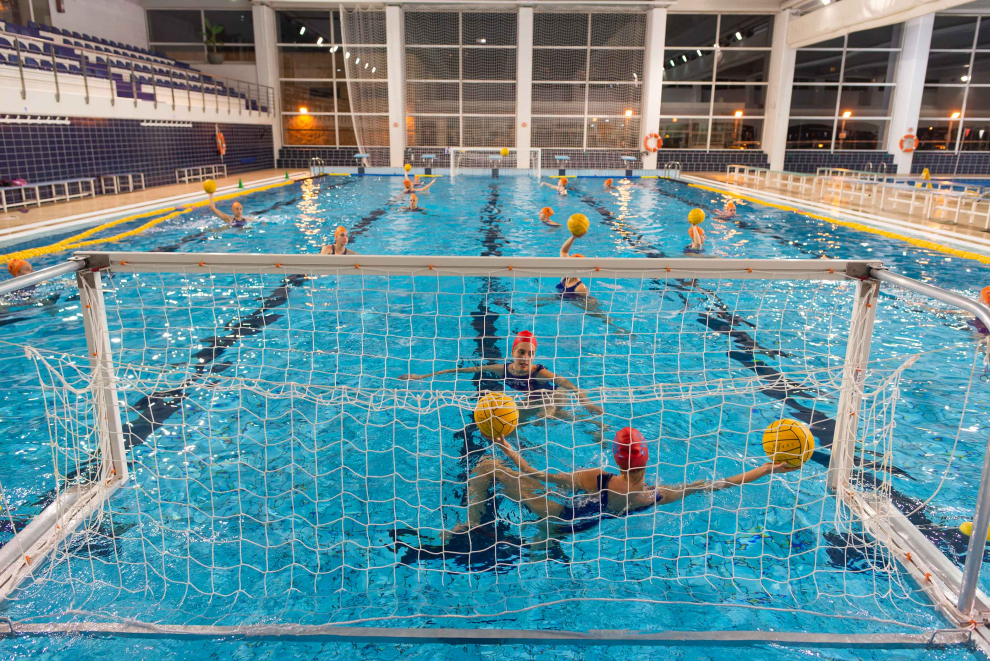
(909, 143)
(221, 143)
(657, 142)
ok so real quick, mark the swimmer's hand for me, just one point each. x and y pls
(411, 377)
(782, 467)
(594, 409)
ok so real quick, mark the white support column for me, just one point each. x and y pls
(265, 40)
(778, 108)
(396, 55)
(656, 34)
(524, 86)
(915, 43)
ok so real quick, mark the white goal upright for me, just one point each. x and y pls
(280, 445)
(484, 160)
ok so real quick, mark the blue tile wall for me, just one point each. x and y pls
(696, 160)
(809, 161)
(88, 147)
(941, 163)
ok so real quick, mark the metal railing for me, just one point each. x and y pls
(671, 166)
(226, 94)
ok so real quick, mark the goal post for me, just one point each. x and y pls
(484, 160)
(304, 461)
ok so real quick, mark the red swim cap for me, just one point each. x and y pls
(629, 449)
(524, 337)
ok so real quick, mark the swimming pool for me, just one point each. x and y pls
(486, 217)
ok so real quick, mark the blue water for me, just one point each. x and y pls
(751, 555)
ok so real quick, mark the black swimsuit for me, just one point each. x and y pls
(588, 510)
(527, 383)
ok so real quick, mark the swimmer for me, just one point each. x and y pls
(545, 214)
(608, 185)
(696, 232)
(410, 187)
(413, 204)
(339, 245)
(561, 185)
(545, 391)
(728, 211)
(572, 289)
(597, 494)
(975, 322)
(237, 220)
(19, 267)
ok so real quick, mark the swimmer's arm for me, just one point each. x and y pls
(565, 250)
(567, 384)
(543, 183)
(220, 214)
(550, 223)
(427, 186)
(491, 369)
(570, 480)
(669, 494)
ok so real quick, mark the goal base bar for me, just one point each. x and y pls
(932, 638)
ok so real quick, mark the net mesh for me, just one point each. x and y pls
(366, 61)
(587, 79)
(460, 78)
(296, 460)
(483, 161)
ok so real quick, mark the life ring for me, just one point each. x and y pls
(657, 145)
(909, 143)
(221, 144)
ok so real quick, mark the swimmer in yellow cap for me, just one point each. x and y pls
(19, 267)
(339, 245)
(238, 219)
(545, 214)
(561, 185)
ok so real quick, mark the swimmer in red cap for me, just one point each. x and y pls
(599, 494)
(542, 387)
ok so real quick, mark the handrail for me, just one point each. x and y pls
(263, 97)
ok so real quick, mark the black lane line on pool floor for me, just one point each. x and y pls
(949, 539)
(483, 548)
(153, 411)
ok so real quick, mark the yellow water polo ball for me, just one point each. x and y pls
(696, 216)
(210, 186)
(408, 167)
(496, 414)
(504, 151)
(788, 440)
(578, 224)
(967, 529)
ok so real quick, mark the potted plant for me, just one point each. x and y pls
(211, 37)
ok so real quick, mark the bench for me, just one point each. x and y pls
(117, 182)
(84, 187)
(199, 173)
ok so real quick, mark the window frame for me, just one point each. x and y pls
(152, 45)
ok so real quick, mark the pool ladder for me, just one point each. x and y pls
(670, 166)
(317, 162)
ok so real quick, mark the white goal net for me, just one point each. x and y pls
(283, 470)
(478, 160)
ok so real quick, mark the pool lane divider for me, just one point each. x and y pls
(921, 243)
(79, 240)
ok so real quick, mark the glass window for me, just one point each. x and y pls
(617, 65)
(433, 28)
(866, 101)
(838, 42)
(737, 133)
(691, 30)
(810, 133)
(679, 133)
(305, 27)
(748, 99)
(559, 63)
(937, 135)
(316, 97)
(613, 132)
(870, 67)
(489, 63)
(489, 98)
(744, 30)
(558, 131)
(492, 29)
(743, 66)
(816, 66)
(814, 100)
(433, 131)
(976, 136)
(613, 99)
(978, 102)
(558, 99)
(686, 100)
(688, 65)
(560, 29)
(888, 36)
(308, 130)
(432, 64)
(305, 62)
(615, 29)
(942, 101)
(983, 38)
(981, 68)
(947, 68)
(860, 134)
(953, 31)
(175, 26)
(238, 26)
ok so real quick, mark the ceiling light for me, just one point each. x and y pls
(825, 2)
(738, 37)
(373, 69)
(739, 113)
(672, 63)
(303, 111)
(302, 30)
(628, 113)
(357, 61)
(319, 42)
(699, 52)
(365, 65)
(846, 115)
(955, 115)
(482, 41)
(684, 57)
(964, 78)
(347, 54)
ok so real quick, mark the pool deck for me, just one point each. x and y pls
(52, 218)
(966, 237)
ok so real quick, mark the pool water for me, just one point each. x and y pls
(935, 474)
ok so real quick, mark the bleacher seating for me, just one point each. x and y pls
(137, 73)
